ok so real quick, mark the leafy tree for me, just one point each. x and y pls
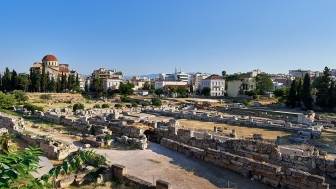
(322, 96)
(159, 92)
(279, 92)
(23, 82)
(224, 73)
(206, 91)
(97, 86)
(35, 80)
(126, 88)
(263, 84)
(182, 92)
(146, 86)
(307, 92)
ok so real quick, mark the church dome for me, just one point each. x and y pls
(48, 58)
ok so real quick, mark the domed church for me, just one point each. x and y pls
(51, 66)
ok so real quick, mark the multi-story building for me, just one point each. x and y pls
(301, 73)
(176, 76)
(51, 66)
(196, 80)
(240, 86)
(215, 83)
(111, 79)
(164, 84)
(139, 82)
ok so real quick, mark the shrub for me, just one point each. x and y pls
(32, 107)
(156, 102)
(78, 106)
(134, 104)
(105, 106)
(145, 103)
(7, 101)
(45, 96)
(20, 96)
(97, 106)
(118, 106)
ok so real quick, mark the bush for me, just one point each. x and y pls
(156, 102)
(118, 106)
(97, 106)
(20, 96)
(45, 97)
(206, 91)
(145, 103)
(32, 107)
(125, 99)
(78, 106)
(105, 106)
(134, 104)
(7, 101)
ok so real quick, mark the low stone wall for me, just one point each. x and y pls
(234, 120)
(119, 172)
(267, 173)
(51, 148)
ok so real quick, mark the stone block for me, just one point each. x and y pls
(160, 184)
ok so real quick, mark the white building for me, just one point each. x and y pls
(215, 83)
(177, 76)
(161, 84)
(111, 79)
(301, 73)
(111, 84)
(240, 86)
(197, 79)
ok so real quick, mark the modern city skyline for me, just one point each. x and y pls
(140, 37)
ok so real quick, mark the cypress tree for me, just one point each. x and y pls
(332, 96)
(77, 83)
(6, 80)
(292, 96)
(1, 85)
(14, 80)
(322, 96)
(307, 92)
(43, 79)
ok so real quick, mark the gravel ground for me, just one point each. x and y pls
(160, 163)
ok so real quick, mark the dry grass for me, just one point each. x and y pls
(242, 132)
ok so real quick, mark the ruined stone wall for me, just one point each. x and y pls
(267, 173)
(254, 149)
(233, 120)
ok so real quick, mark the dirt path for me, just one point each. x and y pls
(182, 172)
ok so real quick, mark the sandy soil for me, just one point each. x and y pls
(241, 131)
(160, 163)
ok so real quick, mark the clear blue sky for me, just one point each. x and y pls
(152, 36)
